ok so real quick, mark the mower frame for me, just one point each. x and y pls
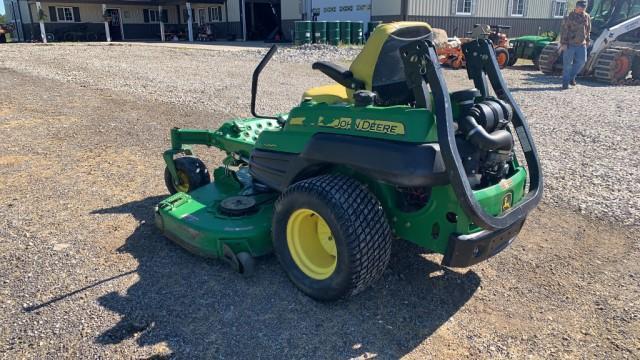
(421, 65)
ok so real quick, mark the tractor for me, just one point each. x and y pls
(453, 56)
(529, 47)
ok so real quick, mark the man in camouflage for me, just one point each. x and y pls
(574, 40)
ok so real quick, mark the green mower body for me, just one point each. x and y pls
(528, 47)
(330, 183)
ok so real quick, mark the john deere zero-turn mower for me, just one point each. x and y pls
(384, 153)
(529, 47)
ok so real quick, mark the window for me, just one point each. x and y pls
(559, 8)
(463, 7)
(201, 16)
(517, 7)
(154, 15)
(215, 14)
(629, 9)
(65, 14)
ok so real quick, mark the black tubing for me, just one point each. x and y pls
(478, 136)
(254, 82)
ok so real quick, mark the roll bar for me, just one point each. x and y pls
(421, 68)
(254, 82)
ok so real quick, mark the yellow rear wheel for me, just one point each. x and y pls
(311, 244)
(331, 236)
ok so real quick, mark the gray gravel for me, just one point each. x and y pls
(587, 137)
(85, 274)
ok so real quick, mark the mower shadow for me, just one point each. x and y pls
(201, 309)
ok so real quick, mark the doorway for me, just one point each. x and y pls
(262, 19)
(115, 24)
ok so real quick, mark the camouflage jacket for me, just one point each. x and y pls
(575, 29)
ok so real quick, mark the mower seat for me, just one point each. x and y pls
(330, 94)
(377, 68)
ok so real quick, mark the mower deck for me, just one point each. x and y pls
(196, 221)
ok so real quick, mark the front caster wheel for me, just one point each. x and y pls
(331, 236)
(192, 174)
(247, 264)
(242, 263)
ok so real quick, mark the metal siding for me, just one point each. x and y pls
(539, 9)
(491, 8)
(290, 9)
(130, 14)
(386, 7)
(429, 7)
(234, 11)
(459, 25)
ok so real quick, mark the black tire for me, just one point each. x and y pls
(512, 57)
(536, 61)
(195, 171)
(549, 60)
(635, 68)
(505, 53)
(359, 228)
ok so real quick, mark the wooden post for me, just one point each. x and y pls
(43, 33)
(190, 22)
(226, 17)
(161, 23)
(244, 20)
(107, 32)
(253, 17)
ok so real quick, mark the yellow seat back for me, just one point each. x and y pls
(385, 41)
(379, 65)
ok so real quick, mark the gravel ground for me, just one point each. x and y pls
(85, 273)
(586, 136)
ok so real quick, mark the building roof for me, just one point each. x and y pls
(136, 2)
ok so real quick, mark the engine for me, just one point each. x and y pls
(483, 138)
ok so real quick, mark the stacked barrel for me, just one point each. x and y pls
(302, 32)
(332, 32)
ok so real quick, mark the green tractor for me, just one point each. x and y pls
(384, 153)
(529, 47)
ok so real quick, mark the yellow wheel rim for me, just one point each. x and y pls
(311, 244)
(183, 186)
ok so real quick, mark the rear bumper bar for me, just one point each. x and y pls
(467, 250)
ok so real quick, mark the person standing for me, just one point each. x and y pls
(574, 40)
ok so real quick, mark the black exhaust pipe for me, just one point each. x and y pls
(482, 121)
(478, 136)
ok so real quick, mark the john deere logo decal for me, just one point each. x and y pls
(377, 126)
(337, 123)
(506, 202)
(380, 126)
